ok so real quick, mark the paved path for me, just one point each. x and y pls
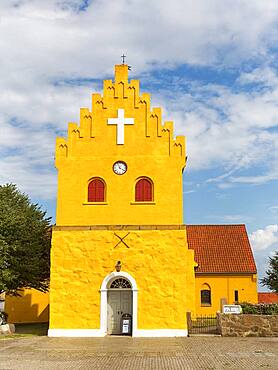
(120, 353)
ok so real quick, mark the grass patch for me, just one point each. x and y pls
(27, 330)
(32, 329)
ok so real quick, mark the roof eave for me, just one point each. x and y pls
(226, 273)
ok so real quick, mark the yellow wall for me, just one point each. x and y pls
(32, 306)
(91, 150)
(158, 260)
(223, 286)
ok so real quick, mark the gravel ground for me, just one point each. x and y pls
(120, 353)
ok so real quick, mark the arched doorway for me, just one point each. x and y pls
(119, 302)
(118, 294)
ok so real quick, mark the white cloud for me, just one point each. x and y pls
(263, 238)
(27, 159)
(236, 129)
(255, 180)
(189, 191)
(236, 218)
(230, 218)
(49, 38)
(45, 43)
(263, 75)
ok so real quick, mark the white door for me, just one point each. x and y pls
(119, 302)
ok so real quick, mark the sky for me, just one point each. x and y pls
(211, 65)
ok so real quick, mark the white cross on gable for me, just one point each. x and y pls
(121, 121)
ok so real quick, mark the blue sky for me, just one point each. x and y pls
(212, 66)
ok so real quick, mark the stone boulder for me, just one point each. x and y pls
(7, 329)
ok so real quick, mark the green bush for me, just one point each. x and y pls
(259, 309)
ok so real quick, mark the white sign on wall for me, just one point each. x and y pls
(232, 308)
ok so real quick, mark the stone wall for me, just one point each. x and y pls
(248, 325)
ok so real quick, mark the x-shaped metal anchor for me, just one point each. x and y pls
(121, 240)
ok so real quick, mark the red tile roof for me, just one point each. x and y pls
(221, 248)
(268, 297)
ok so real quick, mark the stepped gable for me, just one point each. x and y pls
(221, 248)
(89, 135)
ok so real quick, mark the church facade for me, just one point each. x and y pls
(119, 245)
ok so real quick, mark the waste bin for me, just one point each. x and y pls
(126, 323)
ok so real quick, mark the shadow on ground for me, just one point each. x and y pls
(39, 329)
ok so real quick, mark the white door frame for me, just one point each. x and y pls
(103, 300)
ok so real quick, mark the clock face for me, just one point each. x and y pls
(119, 168)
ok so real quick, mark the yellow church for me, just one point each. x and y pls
(119, 247)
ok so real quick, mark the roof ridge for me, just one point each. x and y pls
(215, 225)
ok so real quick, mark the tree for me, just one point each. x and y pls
(25, 235)
(271, 279)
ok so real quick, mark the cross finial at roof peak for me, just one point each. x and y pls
(123, 58)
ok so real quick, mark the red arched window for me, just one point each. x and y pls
(144, 190)
(96, 190)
